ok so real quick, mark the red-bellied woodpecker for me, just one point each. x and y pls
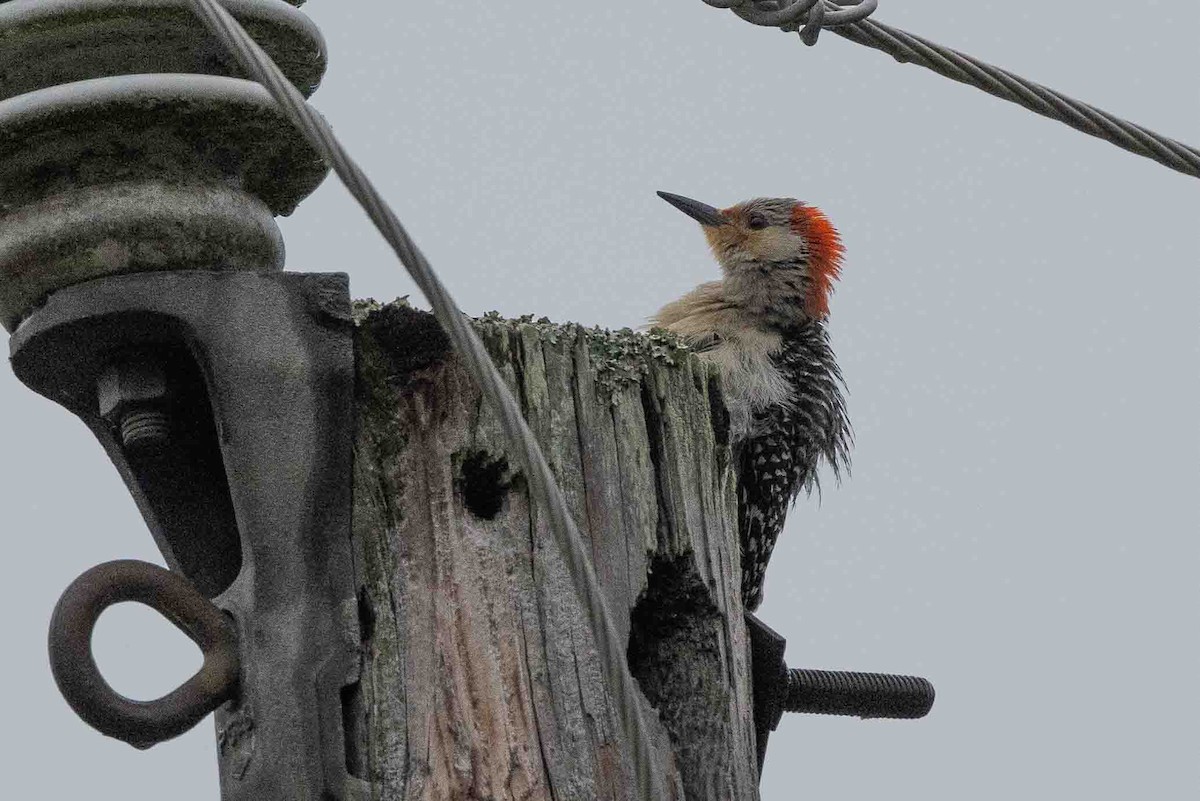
(763, 325)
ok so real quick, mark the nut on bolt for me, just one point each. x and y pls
(133, 396)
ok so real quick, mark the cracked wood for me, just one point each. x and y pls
(479, 676)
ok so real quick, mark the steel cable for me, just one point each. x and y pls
(477, 362)
(848, 19)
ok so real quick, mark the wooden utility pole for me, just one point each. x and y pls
(383, 614)
(479, 676)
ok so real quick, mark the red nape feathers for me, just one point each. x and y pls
(824, 256)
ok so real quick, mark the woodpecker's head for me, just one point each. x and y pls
(772, 250)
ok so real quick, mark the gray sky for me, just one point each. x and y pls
(1017, 324)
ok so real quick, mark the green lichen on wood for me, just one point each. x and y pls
(623, 357)
(620, 358)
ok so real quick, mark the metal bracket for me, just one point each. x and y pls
(768, 671)
(778, 689)
(249, 377)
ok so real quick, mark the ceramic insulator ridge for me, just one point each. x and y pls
(129, 142)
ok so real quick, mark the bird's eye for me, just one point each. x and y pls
(756, 222)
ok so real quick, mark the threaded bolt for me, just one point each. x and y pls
(864, 695)
(145, 430)
(133, 396)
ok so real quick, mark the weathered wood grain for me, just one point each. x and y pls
(480, 678)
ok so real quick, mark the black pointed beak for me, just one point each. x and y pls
(700, 212)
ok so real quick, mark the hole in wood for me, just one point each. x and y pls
(485, 481)
(409, 339)
(676, 654)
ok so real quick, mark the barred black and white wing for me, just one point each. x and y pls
(785, 445)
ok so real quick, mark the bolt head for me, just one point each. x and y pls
(129, 385)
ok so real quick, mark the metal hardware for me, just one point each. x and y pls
(863, 695)
(130, 143)
(778, 689)
(140, 723)
(132, 395)
(140, 175)
(251, 502)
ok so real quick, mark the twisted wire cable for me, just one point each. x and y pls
(475, 358)
(848, 18)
